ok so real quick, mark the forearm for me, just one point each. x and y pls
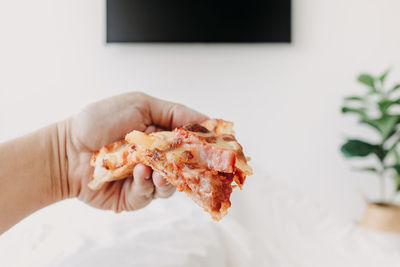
(32, 173)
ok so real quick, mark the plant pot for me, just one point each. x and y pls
(382, 217)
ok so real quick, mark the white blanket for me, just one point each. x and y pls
(269, 225)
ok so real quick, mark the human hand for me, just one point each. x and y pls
(107, 121)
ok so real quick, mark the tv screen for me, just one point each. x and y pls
(198, 21)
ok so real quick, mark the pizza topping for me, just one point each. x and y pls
(228, 137)
(195, 128)
(187, 155)
(201, 160)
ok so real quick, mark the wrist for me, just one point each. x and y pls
(32, 173)
(59, 158)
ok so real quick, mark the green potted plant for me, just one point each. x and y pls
(375, 108)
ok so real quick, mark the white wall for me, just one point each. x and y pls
(284, 98)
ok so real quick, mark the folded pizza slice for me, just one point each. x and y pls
(203, 160)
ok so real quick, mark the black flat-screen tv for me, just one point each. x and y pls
(209, 21)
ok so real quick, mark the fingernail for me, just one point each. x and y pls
(148, 177)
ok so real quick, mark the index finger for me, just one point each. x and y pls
(171, 115)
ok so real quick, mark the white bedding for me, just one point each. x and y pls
(269, 225)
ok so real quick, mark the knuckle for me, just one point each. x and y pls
(159, 182)
(146, 189)
(177, 107)
(139, 202)
(165, 192)
(139, 95)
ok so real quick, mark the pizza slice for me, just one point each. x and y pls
(203, 160)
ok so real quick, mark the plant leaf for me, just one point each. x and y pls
(367, 80)
(359, 148)
(397, 182)
(396, 155)
(359, 111)
(353, 98)
(366, 169)
(397, 86)
(397, 177)
(386, 124)
(384, 104)
(383, 76)
(396, 167)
